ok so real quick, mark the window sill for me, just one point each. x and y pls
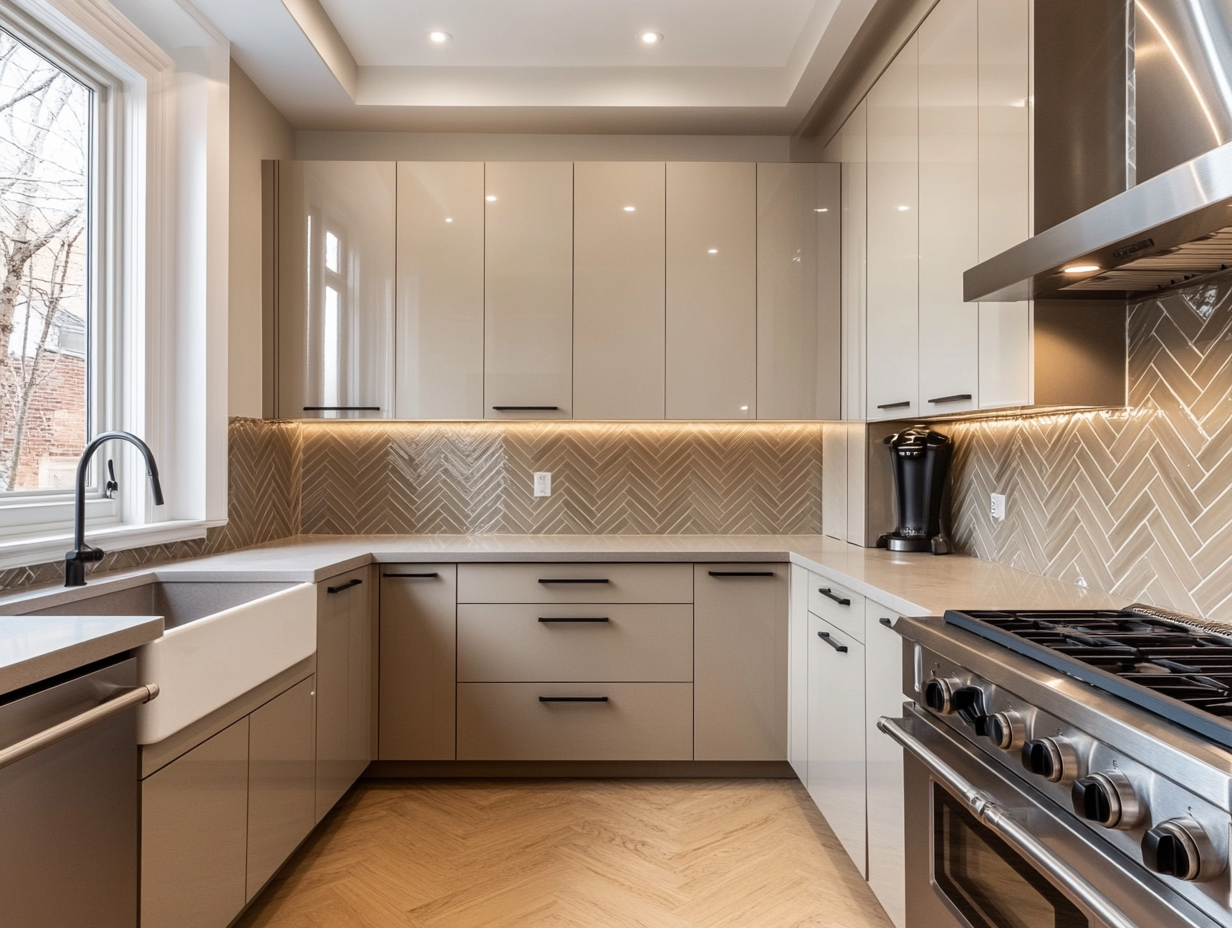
(43, 549)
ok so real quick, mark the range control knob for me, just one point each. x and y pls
(1180, 848)
(1051, 758)
(1107, 799)
(939, 694)
(1005, 729)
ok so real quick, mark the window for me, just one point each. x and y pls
(46, 145)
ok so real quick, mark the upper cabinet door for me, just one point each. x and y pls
(949, 207)
(711, 291)
(892, 371)
(619, 326)
(798, 291)
(440, 290)
(336, 235)
(1005, 195)
(528, 316)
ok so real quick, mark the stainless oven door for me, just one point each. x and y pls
(983, 852)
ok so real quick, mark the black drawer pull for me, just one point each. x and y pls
(742, 573)
(955, 398)
(354, 581)
(547, 619)
(825, 636)
(526, 408)
(342, 409)
(830, 594)
(431, 576)
(888, 623)
(903, 405)
(574, 580)
(577, 698)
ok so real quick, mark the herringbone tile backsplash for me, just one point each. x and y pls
(739, 478)
(1137, 502)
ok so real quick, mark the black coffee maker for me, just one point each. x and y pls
(921, 460)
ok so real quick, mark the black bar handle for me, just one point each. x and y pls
(546, 619)
(888, 623)
(354, 581)
(825, 636)
(742, 573)
(830, 594)
(578, 698)
(431, 576)
(342, 409)
(957, 397)
(526, 408)
(574, 580)
(903, 405)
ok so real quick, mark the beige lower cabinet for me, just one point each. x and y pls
(418, 661)
(575, 721)
(883, 696)
(344, 685)
(836, 759)
(281, 781)
(740, 661)
(194, 834)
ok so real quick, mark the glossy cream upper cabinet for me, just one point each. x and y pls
(852, 151)
(949, 207)
(619, 321)
(440, 290)
(528, 277)
(711, 290)
(336, 235)
(892, 318)
(1005, 193)
(798, 291)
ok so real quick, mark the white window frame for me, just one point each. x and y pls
(162, 243)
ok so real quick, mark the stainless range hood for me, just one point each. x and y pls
(1171, 229)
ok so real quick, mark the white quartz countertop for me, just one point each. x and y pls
(34, 648)
(913, 584)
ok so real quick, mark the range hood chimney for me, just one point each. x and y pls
(1133, 153)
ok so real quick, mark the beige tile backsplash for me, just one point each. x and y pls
(1136, 502)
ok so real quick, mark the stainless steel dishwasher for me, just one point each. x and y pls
(69, 799)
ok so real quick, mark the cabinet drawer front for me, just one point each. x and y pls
(516, 643)
(575, 583)
(848, 616)
(639, 721)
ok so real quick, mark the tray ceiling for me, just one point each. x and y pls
(724, 66)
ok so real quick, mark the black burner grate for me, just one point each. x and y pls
(1181, 673)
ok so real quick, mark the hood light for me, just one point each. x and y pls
(1081, 269)
(439, 37)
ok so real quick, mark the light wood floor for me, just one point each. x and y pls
(571, 854)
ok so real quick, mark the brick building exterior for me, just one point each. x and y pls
(55, 430)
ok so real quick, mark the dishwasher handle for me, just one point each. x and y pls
(1001, 822)
(69, 727)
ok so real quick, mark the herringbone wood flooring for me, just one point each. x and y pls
(571, 854)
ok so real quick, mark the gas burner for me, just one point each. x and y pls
(1179, 671)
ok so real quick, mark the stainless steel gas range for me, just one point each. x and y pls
(1066, 770)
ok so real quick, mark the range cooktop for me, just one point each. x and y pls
(1180, 672)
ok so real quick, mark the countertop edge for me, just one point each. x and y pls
(42, 667)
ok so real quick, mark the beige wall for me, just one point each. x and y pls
(478, 146)
(258, 131)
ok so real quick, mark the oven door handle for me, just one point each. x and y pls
(1000, 821)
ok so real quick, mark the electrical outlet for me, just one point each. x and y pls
(543, 483)
(996, 506)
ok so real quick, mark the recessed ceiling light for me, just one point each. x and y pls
(490, 198)
(821, 209)
(651, 38)
(903, 209)
(447, 219)
(1081, 268)
(629, 209)
(712, 251)
(744, 409)
(439, 37)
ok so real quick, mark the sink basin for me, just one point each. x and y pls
(221, 640)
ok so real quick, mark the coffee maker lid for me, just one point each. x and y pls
(916, 438)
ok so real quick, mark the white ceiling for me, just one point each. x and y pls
(724, 66)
